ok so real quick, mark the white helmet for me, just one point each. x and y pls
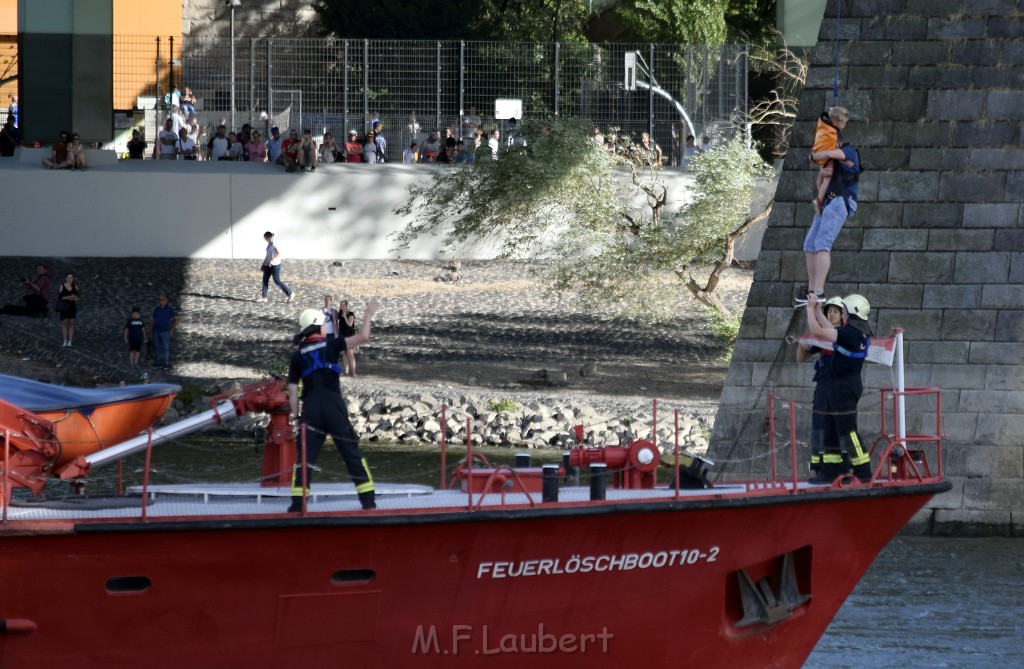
(311, 317)
(857, 306)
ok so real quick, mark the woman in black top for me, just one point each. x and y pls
(347, 328)
(67, 307)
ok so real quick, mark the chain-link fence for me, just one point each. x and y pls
(417, 87)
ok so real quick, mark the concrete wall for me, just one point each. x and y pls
(936, 93)
(253, 18)
(221, 210)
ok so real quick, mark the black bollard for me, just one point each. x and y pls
(522, 460)
(570, 471)
(598, 483)
(550, 489)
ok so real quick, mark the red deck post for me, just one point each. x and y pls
(444, 445)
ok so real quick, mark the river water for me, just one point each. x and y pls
(932, 602)
(925, 603)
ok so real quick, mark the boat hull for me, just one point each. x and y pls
(83, 433)
(642, 584)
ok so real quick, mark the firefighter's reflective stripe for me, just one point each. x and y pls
(851, 444)
(368, 486)
(832, 458)
(297, 488)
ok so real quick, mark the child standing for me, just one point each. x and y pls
(134, 336)
(330, 318)
(826, 138)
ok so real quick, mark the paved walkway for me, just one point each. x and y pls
(495, 328)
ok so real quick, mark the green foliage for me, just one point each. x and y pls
(710, 22)
(504, 404)
(277, 367)
(752, 21)
(190, 392)
(513, 20)
(599, 217)
(397, 19)
(522, 202)
(675, 21)
(533, 20)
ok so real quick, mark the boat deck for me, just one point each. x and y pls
(247, 499)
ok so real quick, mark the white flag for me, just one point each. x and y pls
(881, 350)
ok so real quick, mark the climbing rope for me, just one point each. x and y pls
(835, 76)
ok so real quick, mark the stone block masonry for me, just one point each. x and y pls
(937, 112)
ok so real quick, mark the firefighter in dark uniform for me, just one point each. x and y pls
(804, 352)
(315, 364)
(842, 376)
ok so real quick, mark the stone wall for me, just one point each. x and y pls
(936, 94)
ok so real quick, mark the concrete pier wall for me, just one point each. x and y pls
(936, 94)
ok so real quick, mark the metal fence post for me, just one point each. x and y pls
(650, 96)
(159, 100)
(270, 84)
(344, 86)
(252, 79)
(558, 61)
(366, 82)
(438, 101)
(462, 88)
(170, 64)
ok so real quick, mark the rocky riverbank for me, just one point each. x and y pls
(486, 340)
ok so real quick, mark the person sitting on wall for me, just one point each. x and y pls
(136, 146)
(290, 151)
(10, 138)
(37, 301)
(59, 158)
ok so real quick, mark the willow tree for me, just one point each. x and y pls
(605, 223)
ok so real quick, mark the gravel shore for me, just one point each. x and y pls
(490, 332)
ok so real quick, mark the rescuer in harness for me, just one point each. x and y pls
(315, 364)
(843, 387)
(839, 206)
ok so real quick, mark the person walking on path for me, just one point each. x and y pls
(272, 268)
(67, 307)
(165, 321)
(324, 412)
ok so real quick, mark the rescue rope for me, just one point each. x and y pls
(835, 77)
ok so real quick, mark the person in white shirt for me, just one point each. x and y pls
(167, 142)
(494, 142)
(272, 269)
(186, 147)
(219, 144)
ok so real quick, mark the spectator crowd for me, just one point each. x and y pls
(182, 137)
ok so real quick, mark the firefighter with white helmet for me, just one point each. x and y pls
(834, 314)
(315, 364)
(844, 449)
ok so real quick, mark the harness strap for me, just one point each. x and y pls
(313, 354)
(859, 355)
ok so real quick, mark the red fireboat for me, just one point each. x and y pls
(646, 564)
